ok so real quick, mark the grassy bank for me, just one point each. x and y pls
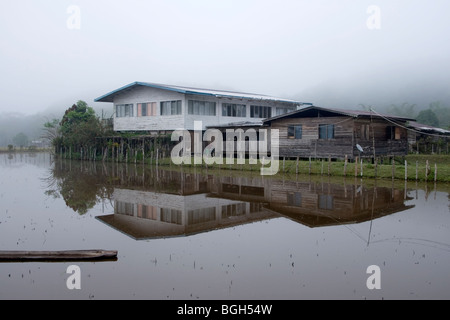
(415, 168)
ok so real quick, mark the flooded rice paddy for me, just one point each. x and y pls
(197, 234)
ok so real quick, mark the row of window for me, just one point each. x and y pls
(202, 108)
(326, 131)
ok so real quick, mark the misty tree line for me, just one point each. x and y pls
(19, 131)
(22, 131)
(436, 115)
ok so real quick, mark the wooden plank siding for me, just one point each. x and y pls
(348, 132)
(158, 122)
(310, 144)
(371, 134)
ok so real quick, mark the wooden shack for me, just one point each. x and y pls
(321, 133)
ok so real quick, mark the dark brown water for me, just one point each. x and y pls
(228, 235)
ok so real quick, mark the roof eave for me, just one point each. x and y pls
(340, 112)
(109, 97)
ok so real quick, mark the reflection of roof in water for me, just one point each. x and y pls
(324, 220)
(143, 229)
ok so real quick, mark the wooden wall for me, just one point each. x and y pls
(310, 144)
(348, 132)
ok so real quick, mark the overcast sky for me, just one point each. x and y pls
(334, 53)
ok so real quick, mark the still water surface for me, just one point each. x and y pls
(219, 235)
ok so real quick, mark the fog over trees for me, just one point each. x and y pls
(15, 125)
(391, 56)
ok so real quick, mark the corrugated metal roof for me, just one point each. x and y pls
(109, 97)
(240, 124)
(331, 111)
(424, 127)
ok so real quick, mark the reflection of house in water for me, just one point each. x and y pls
(147, 214)
(317, 204)
(182, 204)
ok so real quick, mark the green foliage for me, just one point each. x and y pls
(79, 127)
(442, 113)
(428, 117)
(405, 110)
(51, 132)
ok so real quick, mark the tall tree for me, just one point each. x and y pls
(80, 126)
(51, 132)
(428, 117)
(20, 140)
(442, 113)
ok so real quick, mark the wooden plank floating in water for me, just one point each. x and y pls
(72, 255)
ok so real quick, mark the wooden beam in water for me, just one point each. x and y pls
(72, 255)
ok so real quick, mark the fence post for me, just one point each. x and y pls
(157, 155)
(361, 167)
(329, 164)
(309, 165)
(143, 150)
(417, 170)
(376, 167)
(435, 172)
(393, 167)
(406, 170)
(345, 165)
